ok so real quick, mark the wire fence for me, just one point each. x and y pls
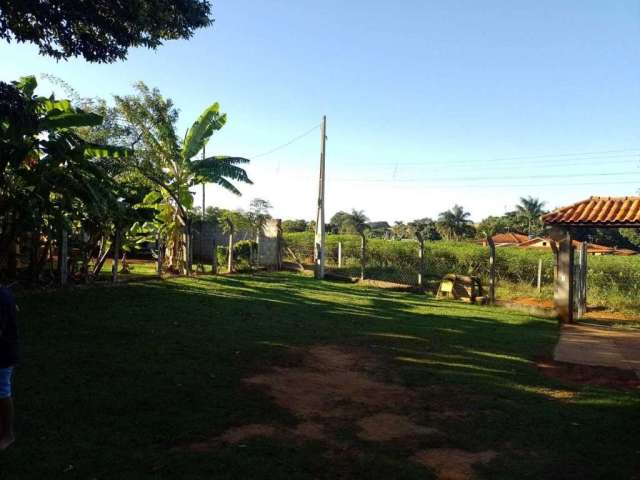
(398, 261)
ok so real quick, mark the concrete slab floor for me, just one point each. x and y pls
(599, 346)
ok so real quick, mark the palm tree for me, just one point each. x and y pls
(530, 209)
(357, 220)
(455, 223)
(171, 165)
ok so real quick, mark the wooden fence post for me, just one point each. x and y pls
(116, 256)
(160, 252)
(539, 275)
(63, 257)
(339, 254)
(492, 270)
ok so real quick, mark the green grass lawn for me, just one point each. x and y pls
(114, 378)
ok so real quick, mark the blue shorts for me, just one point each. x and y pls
(5, 382)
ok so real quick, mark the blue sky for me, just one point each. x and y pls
(421, 98)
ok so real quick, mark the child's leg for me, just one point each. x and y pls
(6, 409)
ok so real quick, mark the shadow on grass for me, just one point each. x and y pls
(113, 377)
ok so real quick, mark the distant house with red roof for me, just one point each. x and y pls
(592, 248)
(508, 239)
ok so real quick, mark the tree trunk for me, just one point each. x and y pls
(160, 250)
(102, 258)
(116, 255)
(214, 259)
(230, 259)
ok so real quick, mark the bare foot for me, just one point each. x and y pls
(7, 442)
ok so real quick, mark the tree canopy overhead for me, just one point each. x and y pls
(101, 30)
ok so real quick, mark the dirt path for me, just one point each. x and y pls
(599, 346)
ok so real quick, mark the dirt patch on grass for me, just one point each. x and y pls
(340, 396)
(612, 317)
(383, 427)
(534, 302)
(589, 375)
(452, 463)
(332, 383)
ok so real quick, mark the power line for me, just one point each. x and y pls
(474, 179)
(531, 185)
(284, 145)
(489, 162)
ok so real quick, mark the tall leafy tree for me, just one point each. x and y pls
(455, 224)
(173, 165)
(290, 226)
(358, 221)
(100, 30)
(531, 209)
(259, 214)
(424, 228)
(340, 222)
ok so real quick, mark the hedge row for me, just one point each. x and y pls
(398, 260)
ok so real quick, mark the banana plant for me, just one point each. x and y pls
(49, 177)
(173, 165)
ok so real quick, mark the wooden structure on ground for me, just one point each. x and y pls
(594, 212)
(461, 287)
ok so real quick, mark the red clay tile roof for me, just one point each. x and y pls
(598, 211)
(510, 238)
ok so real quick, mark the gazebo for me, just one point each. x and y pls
(594, 212)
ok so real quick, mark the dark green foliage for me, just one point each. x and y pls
(455, 224)
(292, 226)
(425, 228)
(52, 178)
(100, 30)
(243, 250)
(632, 235)
(340, 223)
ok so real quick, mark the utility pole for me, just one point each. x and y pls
(318, 251)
